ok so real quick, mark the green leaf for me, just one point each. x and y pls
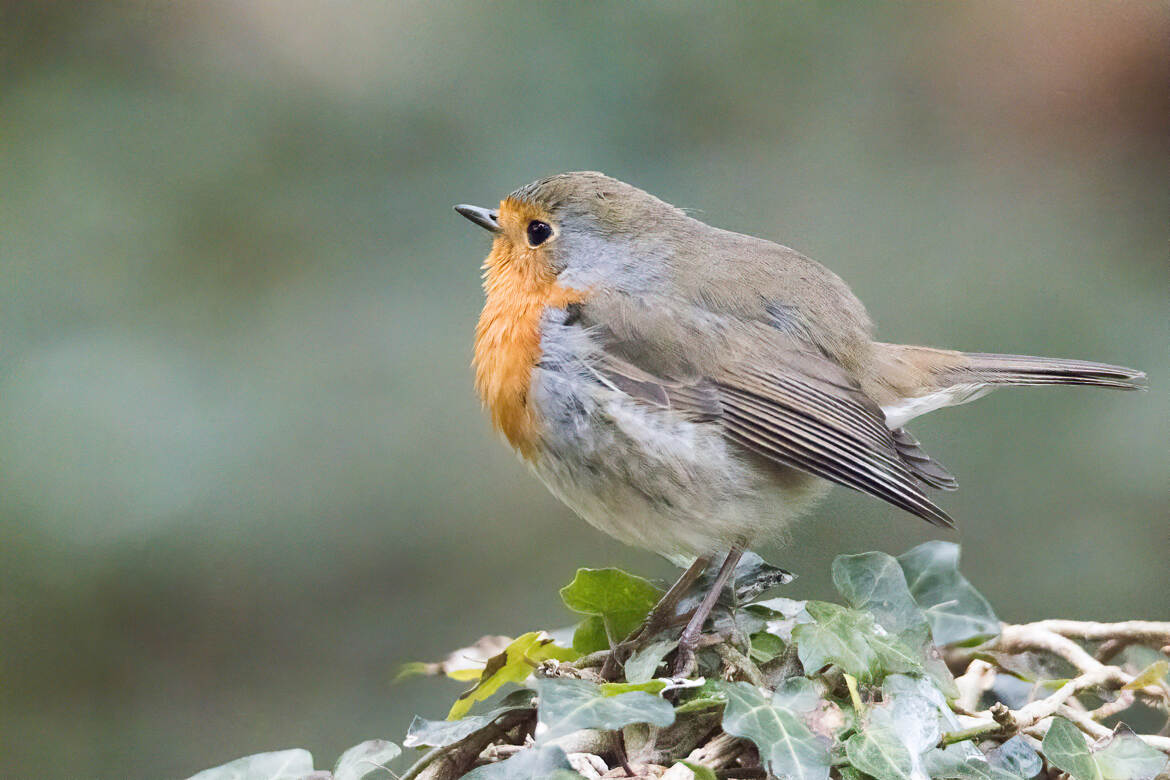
(541, 762)
(367, 760)
(912, 714)
(590, 636)
(838, 636)
(853, 641)
(964, 761)
(798, 694)
(278, 765)
(1017, 758)
(781, 615)
(915, 712)
(1151, 675)
(567, 705)
(956, 611)
(787, 746)
(766, 646)
(645, 662)
(621, 600)
(439, 733)
(754, 576)
(879, 752)
(1126, 757)
(1065, 748)
(701, 772)
(896, 655)
(874, 582)
(515, 664)
(654, 687)
(707, 696)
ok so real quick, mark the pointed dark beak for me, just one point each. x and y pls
(485, 218)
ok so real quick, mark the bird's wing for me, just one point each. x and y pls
(800, 410)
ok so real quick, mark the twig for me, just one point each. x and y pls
(1003, 723)
(1109, 649)
(459, 755)
(1036, 636)
(1097, 731)
(1143, 631)
(978, 678)
(738, 660)
(1006, 723)
(593, 659)
(1123, 702)
(719, 753)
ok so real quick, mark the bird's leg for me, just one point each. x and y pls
(659, 618)
(684, 659)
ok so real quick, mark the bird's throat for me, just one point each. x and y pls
(507, 340)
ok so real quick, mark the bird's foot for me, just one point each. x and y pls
(655, 622)
(612, 668)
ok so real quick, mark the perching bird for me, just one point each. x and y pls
(691, 390)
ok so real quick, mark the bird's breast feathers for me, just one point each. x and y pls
(507, 340)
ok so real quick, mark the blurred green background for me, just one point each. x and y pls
(243, 473)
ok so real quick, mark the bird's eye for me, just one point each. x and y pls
(538, 232)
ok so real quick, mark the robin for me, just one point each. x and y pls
(692, 391)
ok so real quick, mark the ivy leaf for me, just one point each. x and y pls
(874, 582)
(278, 765)
(956, 611)
(367, 760)
(1017, 758)
(1065, 749)
(754, 576)
(765, 646)
(619, 599)
(590, 636)
(837, 636)
(853, 641)
(1151, 675)
(466, 663)
(798, 694)
(787, 746)
(1126, 757)
(895, 654)
(654, 687)
(645, 662)
(964, 761)
(567, 705)
(707, 696)
(781, 615)
(879, 752)
(440, 733)
(698, 770)
(541, 762)
(912, 716)
(515, 664)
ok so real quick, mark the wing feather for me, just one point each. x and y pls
(805, 421)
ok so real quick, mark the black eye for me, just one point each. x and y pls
(538, 232)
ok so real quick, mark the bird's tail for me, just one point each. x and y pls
(993, 369)
(916, 380)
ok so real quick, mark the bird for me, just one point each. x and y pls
(692, 390)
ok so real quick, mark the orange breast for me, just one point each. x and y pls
(507, 338)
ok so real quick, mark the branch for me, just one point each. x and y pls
(1136, 631)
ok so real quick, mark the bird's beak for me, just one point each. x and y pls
(485, 218)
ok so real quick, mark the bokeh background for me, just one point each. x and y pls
(243, 474)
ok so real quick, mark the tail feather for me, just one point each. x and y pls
(915, 380)
(990, 368)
